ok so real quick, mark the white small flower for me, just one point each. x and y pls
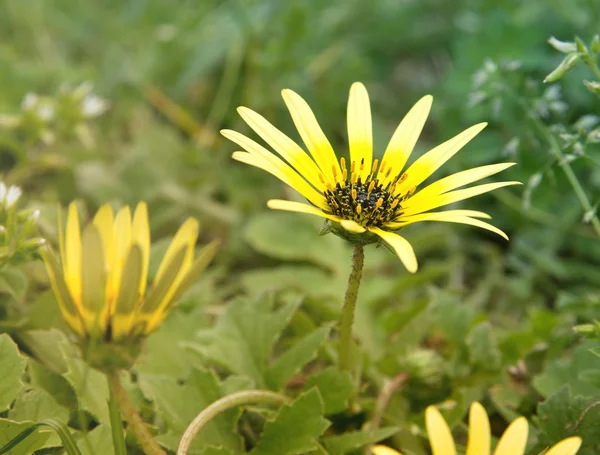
(93, 106)
(2, 192)
(12, 195)
(45, 112)
(29, 101)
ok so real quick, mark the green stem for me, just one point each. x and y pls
(347, 320)
(571, 177)
(135, 422)
(222, 405)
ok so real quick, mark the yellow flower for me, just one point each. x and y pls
(512, 442)
(369, 200)
(101, 279)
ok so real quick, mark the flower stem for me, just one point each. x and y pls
(347, 320)
(135, 422)
(222, 405)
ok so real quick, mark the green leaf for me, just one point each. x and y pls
(97, 442)
(563, 415)
(33, 440)
(36, 404)
(13, 282)
(295, 428)
(335, 386)
(179, 403)
(56, 385)
(216, 451)
(90, 386)
(302, 352)
(483, 348)
(244, 335)
(13, 367)
(342, 444)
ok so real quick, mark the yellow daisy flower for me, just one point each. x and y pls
(368, 199)
(512, 442)
(100, 281)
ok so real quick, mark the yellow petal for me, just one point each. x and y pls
(129, 294)
(451, 216)
(404, 139)
(410, 208)
(312, 135)
(479, 431)
(440, 437)
(104, 221)
(406, 220)
(432, 160)
(403, 249)
(261, 158)
(278, 204)
(72, 265)
(122, 245)
(457, 180)
(140, 236)
(514, 439)
(185, 238)
(352, 226)
(283, 145)
(568, 446)
(383, 450)
(360, 129)
(93, 282)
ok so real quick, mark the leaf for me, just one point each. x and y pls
(36, 404)
(302, 352)
(9, 430)
(96, 442)
(179, 403)
(339, 445)
(56, 385)
(335, 386)
(216, 451)
(13, 282)
(90, 387)
(295, 428)
(244, 335)
(13, 367)
(562, 415)
(483, 348)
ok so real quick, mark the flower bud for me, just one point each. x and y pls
(566, 47)
(565, 66)
(425, 366)
(592, 86)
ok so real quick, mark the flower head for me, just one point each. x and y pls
(100, 281)
(365, 200)
(512, 442)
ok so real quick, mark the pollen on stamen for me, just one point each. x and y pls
(354, 178)
(395, 203)
(352, 167)
(358, 209)
(374, 168)
(345, 175)
(321, 178)
(362, 164)
(334, 172)
(354, 194)
(371, 186)
(382, 167)
(379, 202)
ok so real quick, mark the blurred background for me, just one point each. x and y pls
(118, 102)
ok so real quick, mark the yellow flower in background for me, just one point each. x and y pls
(101, 279)
(512, 442)
(369, 200)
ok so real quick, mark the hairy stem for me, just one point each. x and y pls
(222, 405)
(347, 320)
(135, 422)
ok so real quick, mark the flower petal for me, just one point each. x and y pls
(140, 236)
(479, 431)
(185, 239)
(383, 450)
(283, 172)
(404, 139)
(93, 282)
(72, 264)
(352, 226)
(104, 220)
(568, 446)
(279, 204)
(283, 145)
(129, 295)
(122, 245)
(440, 437)
(403, 249)
(413, 208)
(459, 179)
(514, 439)
(432, 160)
(312, 135)
(360, 130)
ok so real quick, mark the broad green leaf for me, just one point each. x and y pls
(97, 442)
(216, 451)
(179, 403)
(482, 347)
(56, 385)
(347, 442)
(244, 335)
(36, 404)
(50, 347)
(295, 428)
(10, 429)
(90, 387)
(12, 367)
(290, 362)
(335, 386)
(13, 282)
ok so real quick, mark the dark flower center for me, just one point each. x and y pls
(369, 203)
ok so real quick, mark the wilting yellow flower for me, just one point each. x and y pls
(369, 200)
(512, 442)
(101, 279)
